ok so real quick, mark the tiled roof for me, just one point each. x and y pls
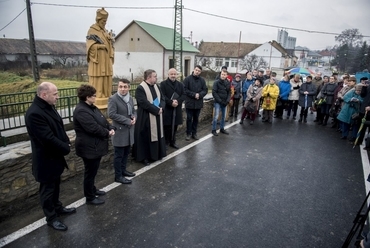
(226, 49)
(163, 35)
(22, 46)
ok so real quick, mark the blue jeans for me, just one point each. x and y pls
(120, 160)
(215, 117)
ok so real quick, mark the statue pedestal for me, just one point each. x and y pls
(101, 103)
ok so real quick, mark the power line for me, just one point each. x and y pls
(266, 25)
(13, 20)
(89, 6)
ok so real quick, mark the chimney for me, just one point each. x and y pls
(196, 44)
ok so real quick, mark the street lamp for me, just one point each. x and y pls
(345, 61)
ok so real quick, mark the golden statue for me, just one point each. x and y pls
(100, 56)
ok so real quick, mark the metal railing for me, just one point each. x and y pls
(14, 106)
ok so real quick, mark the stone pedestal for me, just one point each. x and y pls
(101, 103)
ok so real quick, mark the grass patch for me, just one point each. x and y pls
(13, 83)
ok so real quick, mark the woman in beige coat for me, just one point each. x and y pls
(254, 94)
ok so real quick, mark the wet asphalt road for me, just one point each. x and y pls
(285, 184)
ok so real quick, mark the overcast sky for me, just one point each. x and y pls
(72, 23)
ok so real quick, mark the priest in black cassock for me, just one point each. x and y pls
(173, 94)
(149, 143)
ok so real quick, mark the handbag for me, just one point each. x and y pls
(251, 107)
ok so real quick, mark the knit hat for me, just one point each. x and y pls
(238, 75)
(352, 79)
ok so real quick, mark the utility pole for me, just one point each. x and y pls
(35, 68)
(237, 62)
(177, 38)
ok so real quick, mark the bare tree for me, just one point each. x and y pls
(61, 60)
(206, 62)
(351, 37)
(251, 62)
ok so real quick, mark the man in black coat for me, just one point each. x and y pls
(195, 89)
(174, 95)
(221, 94)
(49, 143)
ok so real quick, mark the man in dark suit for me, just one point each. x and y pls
(49, 143)
(174, 94)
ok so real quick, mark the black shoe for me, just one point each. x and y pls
(123, 180)
(187, 137)
(96, 201)
(57, 225)
(241, 122)
(146, 162)
(65, 211)
(128, 174)
(224, 131)
(304, 120)
(99, 192)
(300, 120)
(174, 146)
(214, 133)
(194, 136)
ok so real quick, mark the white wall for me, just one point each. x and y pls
(137, 63)
(270, 54)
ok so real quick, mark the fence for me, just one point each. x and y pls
(14, 106)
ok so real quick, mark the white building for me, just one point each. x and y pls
(141, 46)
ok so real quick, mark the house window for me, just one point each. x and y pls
(234, 63)
(219, 62)
(132, 39)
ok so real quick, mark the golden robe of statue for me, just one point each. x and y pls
(100, 55)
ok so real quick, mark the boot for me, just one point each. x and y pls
(325, 120)
(241, 121)
(300, 118)
(305, 119)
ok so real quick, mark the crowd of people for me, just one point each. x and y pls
(151, 128)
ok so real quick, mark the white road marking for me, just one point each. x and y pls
(41, 222)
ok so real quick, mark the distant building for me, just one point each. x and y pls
(213, 55)
(285, 40)
(66, 53)
(141, 46)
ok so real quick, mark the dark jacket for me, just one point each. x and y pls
(192, 85)
(327, 92)
(49, 141)
(221, 91)
(310, 87)
(237, 88)
(168, 88)
(365, 94)
(92, 131)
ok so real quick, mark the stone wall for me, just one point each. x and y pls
(17, 181)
